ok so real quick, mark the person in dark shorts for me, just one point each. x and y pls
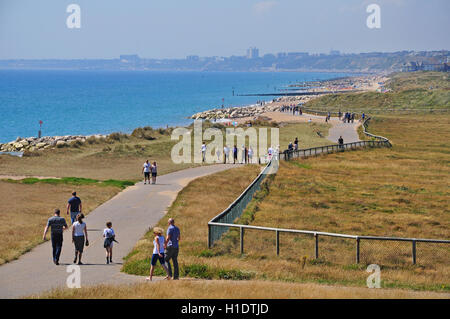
(172, 248)
(58, 225)
(146, 172)
(79, 237)
(154, 170)
(158, 252)
(74, 207)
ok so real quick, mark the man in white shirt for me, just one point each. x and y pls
(146, 172)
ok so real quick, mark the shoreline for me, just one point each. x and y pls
(240, 114)
(253, 112)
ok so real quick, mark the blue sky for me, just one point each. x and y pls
(176, 28)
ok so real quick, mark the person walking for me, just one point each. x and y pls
(226, 153)
(250, 155)
(57, 225)
(110, 238)
(341, 142)
(203, 152)
(171, 246)
(158, 252)
(79, 237)
(154, 169)
(235, 154)
(146, 172)
(74, 206)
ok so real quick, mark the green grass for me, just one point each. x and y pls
(73, 181)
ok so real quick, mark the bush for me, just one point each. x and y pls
(197, 271)
(76, 144)
(234, 274)
(28, 153)
(92, 140)
(145, 133)
(116, 137)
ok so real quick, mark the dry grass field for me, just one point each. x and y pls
(25, 209)
(219, 289)
(402, 191)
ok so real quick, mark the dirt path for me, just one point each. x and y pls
(132, 212)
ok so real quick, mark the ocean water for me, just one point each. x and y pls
(93, 102)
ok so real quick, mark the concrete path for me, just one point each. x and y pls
(132, 213)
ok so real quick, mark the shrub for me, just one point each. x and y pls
(234, 274)
(92, 140)
(76, 144)
(116, 137)
(28, 153)
(146, 133)
(197, 271)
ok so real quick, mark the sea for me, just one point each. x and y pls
(69, 102)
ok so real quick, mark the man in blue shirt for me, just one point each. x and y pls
(171, 248)
(74, 207)
(57, 225)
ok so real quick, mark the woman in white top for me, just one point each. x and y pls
(158, 252)
(154, 169)
(110, 236)
(79, 234)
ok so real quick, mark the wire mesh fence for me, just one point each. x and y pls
(391, 253)
(335, 248)
(236, 209)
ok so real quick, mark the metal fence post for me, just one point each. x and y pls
(414, 252)
(242, 239)
(316, 250)
(357, 249)
(278, 242)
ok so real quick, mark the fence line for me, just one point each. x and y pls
(220, 224)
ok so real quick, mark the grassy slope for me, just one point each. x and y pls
(409, 91)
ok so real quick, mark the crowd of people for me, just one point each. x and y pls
(292, 108)
(244, 155)
(165, 248)
(348, 117)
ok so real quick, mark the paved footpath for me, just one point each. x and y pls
(132, 213)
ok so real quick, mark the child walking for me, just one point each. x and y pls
(158, 252)
(110, 237)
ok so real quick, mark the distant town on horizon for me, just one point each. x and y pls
(371, 62)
